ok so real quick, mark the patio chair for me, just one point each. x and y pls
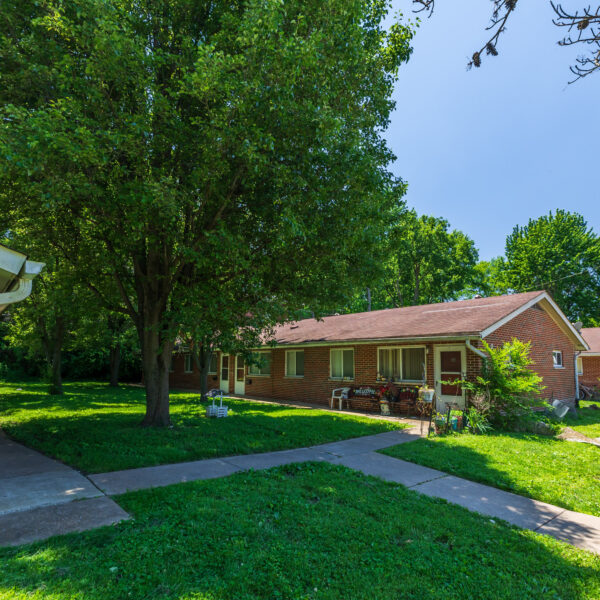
(340, 394)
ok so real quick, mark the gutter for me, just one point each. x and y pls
(475, 350)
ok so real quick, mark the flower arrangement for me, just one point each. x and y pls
(385, 393)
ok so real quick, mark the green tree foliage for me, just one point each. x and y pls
(427, 262)
(489, 278)
(44, 323)
(558, 253)
(167, 148)
(507, 387)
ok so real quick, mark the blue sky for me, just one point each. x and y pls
(489, 148)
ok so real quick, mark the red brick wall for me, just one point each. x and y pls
(535, 325)
(316, 385)
(179, 378)
(591, 371)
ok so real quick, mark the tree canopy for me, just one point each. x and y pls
(168, 149)
(561, 254)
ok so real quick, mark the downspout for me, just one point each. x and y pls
(577, 376)
(475, 350)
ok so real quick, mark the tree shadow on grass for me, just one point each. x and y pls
(300, 531)
(95, 436)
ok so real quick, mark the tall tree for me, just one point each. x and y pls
(561, 254)
(162, 145)
(428, 262)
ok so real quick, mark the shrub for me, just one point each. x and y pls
(507, 388)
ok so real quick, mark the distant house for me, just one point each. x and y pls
(16, 275)
(434, 343)
(588, 363)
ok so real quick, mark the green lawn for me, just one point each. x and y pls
(309, 531)
(587, 421)
(96, 428)
(566, 474)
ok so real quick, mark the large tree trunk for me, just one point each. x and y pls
(115, 362)
(155, 366)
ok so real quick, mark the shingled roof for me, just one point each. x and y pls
(592, 336)
(448, 319)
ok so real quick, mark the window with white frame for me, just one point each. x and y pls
(187, 365)
(401, 364)
(341, 362)
(294, 363)
(212, 368)
(579, 365)
(557, 359)
(261, 364)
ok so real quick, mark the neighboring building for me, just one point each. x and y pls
(16, 275)
(434, 342)
(588, 363)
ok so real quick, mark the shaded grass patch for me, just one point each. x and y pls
(96, 428)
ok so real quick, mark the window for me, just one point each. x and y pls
(557, 359)
(261, 364)
(212, 368)
(294, 363)
(188, 363)
(342, 364)
(579, 365)
(402, 364)
(225, 367)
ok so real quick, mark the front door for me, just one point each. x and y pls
(450, 364)
(224, 378)
(240, 376)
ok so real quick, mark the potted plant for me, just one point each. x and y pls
(440, 423)
(385, 395)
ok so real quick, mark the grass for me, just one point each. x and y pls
(563, 473)
(309, 531)
(96, 428)
(587, 421)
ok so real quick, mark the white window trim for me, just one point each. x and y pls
(579, 364)
(562, 362)
(341, 349)
(250, 374)
(286, 364)
(407, 347)
(185, 359)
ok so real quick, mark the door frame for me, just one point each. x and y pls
(239, 387)
(437, 370)
(224, 383)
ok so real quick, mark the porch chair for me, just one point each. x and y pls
(340, 394)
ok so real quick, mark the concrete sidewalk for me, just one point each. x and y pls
(359, 453)
(37, 494)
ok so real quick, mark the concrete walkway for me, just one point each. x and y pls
(37, 493)
(361, 454)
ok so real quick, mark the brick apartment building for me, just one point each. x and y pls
(432, 343)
